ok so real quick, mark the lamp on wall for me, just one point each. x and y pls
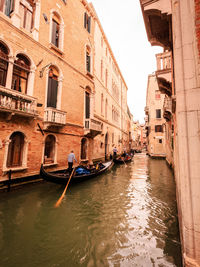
(42, 70)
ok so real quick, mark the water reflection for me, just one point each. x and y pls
(126, 218)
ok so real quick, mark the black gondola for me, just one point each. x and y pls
(61, 177)
(120, 160)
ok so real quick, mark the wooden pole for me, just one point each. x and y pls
(63, 194)
(9, 180)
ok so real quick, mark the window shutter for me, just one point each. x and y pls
(54, 28)
(89, 24)
(88, 62)
(85, 20)
(52, 93)
(49, 92)
(87, 106)
(12, 6)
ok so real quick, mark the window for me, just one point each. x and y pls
(55, 34)
(88, 59)
(106, 109)
(87, 105)
(101, 69)
(7, 7)
(52, 87)
(113, 138)
(87, 22)
(21, 72)
(3, 64)
(160, 141)
(158, 113)
(15, 150)
(49, 150)
(84, 148)
(157, 94)
(158, 128)
(102, 103)
(106, 79)
(26, 9)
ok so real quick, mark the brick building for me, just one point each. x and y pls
(47, 85)
(154, 119)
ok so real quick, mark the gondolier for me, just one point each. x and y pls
(114, 152)
(71, 158)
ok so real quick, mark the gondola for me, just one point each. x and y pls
(61, 177)
(120, 160)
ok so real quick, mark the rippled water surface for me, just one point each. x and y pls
(127, 217)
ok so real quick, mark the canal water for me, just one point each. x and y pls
(127, 217)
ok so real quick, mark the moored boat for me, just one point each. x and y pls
(81, 174)
(122, 160)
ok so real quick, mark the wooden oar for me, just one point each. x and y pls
(63, 194)
(124, 162)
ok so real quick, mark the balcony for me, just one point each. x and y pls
(157, 19)
(92, 128)
(167, 109)
(15, 103)
(164, 65)
(54, 118)
(165, 86)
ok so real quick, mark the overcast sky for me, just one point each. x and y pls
(124, 27)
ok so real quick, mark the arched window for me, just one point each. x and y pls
(55, 34)
(26, 10)
(21, 72)
(15, 150)
(106, 79)
(49, 150)
(101, 69)
(87, 105)
(3, 64)
(106, 109)
(52, 87)
(84, 148)
(88, 59)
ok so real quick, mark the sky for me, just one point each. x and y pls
(124, 28)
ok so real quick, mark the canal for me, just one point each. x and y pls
(127, 217)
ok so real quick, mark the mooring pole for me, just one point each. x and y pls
(9, 180)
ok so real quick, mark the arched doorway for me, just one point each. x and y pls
(84, 148)
(49, 150)
(106, 145)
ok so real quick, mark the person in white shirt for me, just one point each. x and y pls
(71, 158)
(114, 152)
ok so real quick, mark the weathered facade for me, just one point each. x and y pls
(110, 98)
(48, 89)
(154, 119)
(174, 25)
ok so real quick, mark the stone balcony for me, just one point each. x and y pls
(167, 109)
(54, 118)
(15, 103)
(157, 19)
(92, 127)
